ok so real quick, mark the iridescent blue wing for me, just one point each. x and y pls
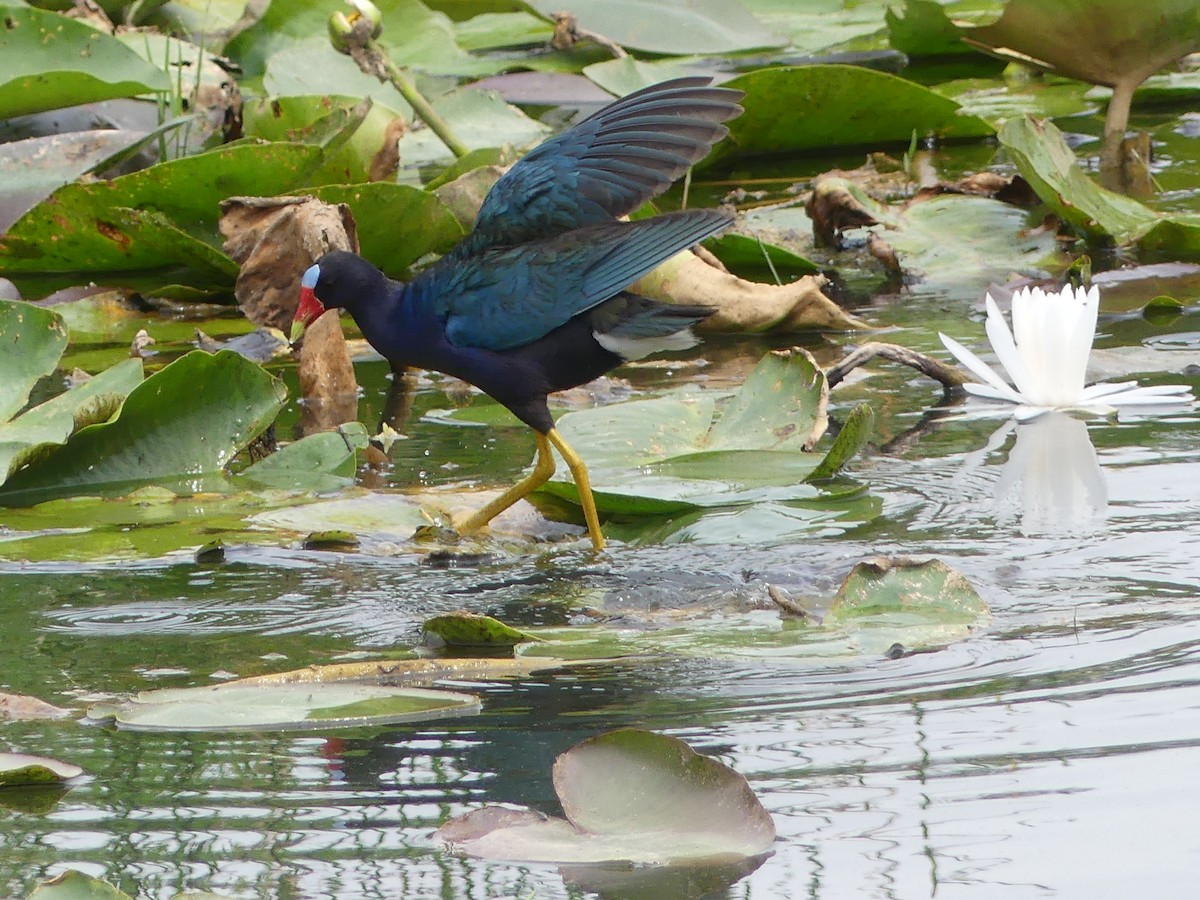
(606, 166)
(509, 296)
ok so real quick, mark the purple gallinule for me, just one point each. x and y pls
(533, 300)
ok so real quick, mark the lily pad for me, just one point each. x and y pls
(672, 455)
(48, 61)
(75, 885)
(1099, 41)
(882, 597)
(36, 167)
(166, 430)
(159, 223)
(463, 629)
(631, 796)
(793, 109)
(1049, 165)
(323, 461)
(682, 27)
(22, 769)
(923, 29)
(31, 341)
(397, 224)
(481, 119)
(282, 707)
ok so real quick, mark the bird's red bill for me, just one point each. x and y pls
(307, 312)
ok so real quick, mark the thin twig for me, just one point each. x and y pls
(949, 376)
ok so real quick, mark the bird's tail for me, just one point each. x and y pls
(632, 326)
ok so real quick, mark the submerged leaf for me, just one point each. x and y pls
(76, 885)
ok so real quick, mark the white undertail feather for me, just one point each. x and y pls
(629, 348)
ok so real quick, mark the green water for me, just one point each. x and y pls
(1050, 754)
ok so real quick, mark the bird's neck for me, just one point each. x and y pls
(381, 318)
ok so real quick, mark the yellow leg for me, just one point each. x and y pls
(542, 470)
(583, 484)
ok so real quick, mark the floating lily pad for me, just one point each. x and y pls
(322, 461)
(22, 769)
(1099, 41)
(31, 341)
(464, 629)
(75, 885)
(282, 707)
(672, 455)
(36, 167)
(746, 255)
(791, 109)
(166, 429)
(883, 598)
(923, 29)
(629, 796)
(48, 61)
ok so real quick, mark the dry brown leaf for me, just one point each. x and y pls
(20, 707)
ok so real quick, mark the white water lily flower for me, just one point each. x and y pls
(1046, 354)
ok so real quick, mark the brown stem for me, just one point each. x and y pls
(1116, 121)
(949, 376)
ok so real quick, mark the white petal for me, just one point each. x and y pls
(1149, 396)
(1002, 343)
(977, 366)
(1029, 413)
(989, 392)
(1104, 388)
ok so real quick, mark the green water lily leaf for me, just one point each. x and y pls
(923, 29)
(166, 430)
(1045, 160)
(31, 341)
(332, 541)
(352, 132)
(758, 259)
(397, 223)
(675, 455)
(414, 35)
(464, 629)
(75, 885)
(211, 22)
(680, 27)
(843, 106)
(1100, 41)
(997, 101)
(23, 769)
(312, 68)
(851, 439)
(48, 61)
(502, 30)
(383, 517)
(159, 223)
(39, 431)
(317, 462)
(913, 603)
(629, 796)
(1048, 164)
(628, 74)
(34, 168)
(481, 119)
(780, 406)
(282, 707)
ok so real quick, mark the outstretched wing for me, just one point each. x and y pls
(606, 166)
(509, 296)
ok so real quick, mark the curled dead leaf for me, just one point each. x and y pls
(746, 305)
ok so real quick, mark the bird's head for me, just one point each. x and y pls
(338, 280)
